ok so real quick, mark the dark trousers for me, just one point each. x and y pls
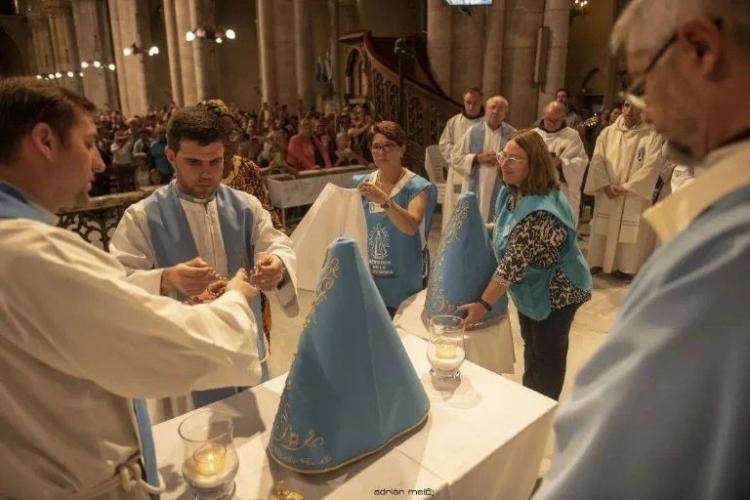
(546, 349)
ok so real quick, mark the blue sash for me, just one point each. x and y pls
(13, 205)
(476, 146)
(399, 262)
(173, 243)
(531, 294)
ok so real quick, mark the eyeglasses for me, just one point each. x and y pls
(636, 91)
(503, 157)
(383, 148)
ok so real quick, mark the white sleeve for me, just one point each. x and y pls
(266, 238)
(447, 141)
(80, 316)
(130, 245)
(574, 160)
(462, 159)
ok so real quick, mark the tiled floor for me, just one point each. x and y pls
(592, 323)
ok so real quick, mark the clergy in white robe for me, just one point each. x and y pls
(455, 129)
(622, 175)
(79, 344)
(568, 152)
(475, 156)
(196, 216)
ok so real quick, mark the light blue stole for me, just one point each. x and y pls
(531, 294)
(399, 262)
(476, 146)
(173, 243)
(14, 205)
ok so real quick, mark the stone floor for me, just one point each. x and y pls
(590, 327)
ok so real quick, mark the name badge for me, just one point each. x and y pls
(375, 208)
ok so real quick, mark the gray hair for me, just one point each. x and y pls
(654, 20)
(500, 98)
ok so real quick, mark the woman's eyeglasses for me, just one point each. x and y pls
(383, 148)
(503, 157)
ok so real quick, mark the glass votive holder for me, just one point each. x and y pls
(210, 461)
(445, 350)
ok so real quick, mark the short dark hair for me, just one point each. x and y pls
(473, 90)
(25, 102)
(195, 124)
(563, 89)
(391, 130)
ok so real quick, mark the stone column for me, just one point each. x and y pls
(557, 18)
(117, 45)
(267, 50)
(303, 52)
(284, 42)
(92, 33)
(493, 50)
(204, 51)
(467, 51)
(439, 21)
(64, 43)
(42, 41)
(126, 20)
(185, 50)
(173, 51)
(522, 20)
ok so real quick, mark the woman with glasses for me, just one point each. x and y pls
(539, 263)
(398, 208)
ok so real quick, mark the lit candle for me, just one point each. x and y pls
(212, 465)
(445, 357)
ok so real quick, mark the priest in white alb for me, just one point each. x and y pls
(475, 156)
(189, 235)
(455, 129)
(622, 175)
(567, 150)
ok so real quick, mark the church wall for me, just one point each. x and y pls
(22, 62)
(239, 67)
(389, 17)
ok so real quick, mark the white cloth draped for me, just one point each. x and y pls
(78, 341)
(567, 145)
(633, 159)
(454, 131)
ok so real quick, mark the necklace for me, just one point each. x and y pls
(379, 182)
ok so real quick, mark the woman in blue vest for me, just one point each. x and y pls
(398, 208)
(539, 263)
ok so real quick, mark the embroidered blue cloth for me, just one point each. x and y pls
(351, 388)
(464, 266)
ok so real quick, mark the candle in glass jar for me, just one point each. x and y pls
(210, 466)
(445, 357)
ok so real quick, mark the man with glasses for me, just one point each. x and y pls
(622, 176)
(661, 410)
(474, 157)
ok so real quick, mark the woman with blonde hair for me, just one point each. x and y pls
(539, 263)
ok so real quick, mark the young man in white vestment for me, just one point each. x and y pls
(622, 176)
(79, 344)
(475, 156)
(567, 150)
(662, 409)
(455, 129)
(196, 231)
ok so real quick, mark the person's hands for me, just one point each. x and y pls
(488, 159)
(189, 278)
(373, 193)
(241, 283)
(613, 191)
(269, 271)
(474, 313)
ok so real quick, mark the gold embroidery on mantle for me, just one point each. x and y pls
(436, 302)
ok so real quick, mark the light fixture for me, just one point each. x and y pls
(579, 7)
(111, 67)
(128, 51)
(80, 73)
(84, 64)
(97, 64)
(210, 34)
(154, 50)
(135, 49)
(39, 77)
(58, 74)
(70, 74)
(51, 76)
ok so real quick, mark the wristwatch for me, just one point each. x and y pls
(386, 205)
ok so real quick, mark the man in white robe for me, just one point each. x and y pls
(475, 156)
(568, 152)
(455, 129)
(622, 175)
(661, 409)
(79, 342)
(195, 149)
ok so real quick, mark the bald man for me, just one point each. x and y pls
(475, 156)
(567, 150)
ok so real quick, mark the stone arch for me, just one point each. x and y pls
(11, 60)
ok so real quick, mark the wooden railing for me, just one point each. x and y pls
(427, 106)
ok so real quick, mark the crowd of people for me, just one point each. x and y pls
(657, 412)
(133, 149)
